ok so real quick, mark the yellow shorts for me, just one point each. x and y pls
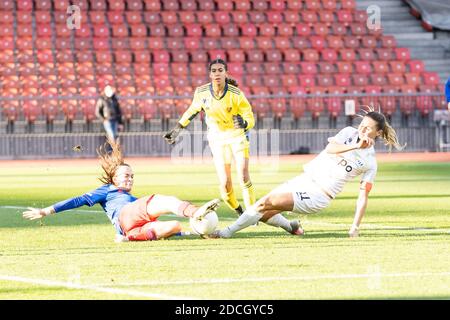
(223, 150)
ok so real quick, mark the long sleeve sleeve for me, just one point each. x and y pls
(192, 111)
(89, 199)
(245, 110)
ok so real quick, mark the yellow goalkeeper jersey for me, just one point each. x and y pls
(219, 111)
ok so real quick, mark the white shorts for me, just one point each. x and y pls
(308, 196)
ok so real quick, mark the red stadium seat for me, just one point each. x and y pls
(342, 80)
(395, 79)
(83, 32)
(271, 80)
(123, 56)
(99, 5)
(152, 5)
(266, 30)
(24, 18)
(308, 68)
(334, 104)
(416, 66)
(239, 17)
(175, 44)
(42, 17)
(291, 55)
(227, 5)
(384, 54)
(282, 43)
(300, 43)
(230, 30)
(273, 55)
(413, 79)
(310, 55)
(169, 17)
(154, 43)
(217, 54)
(7, 56)
(256, 17)
(289, 80)
(116, 5)
(338, 29)
(97, 17)
(101, 31)
(255, 68)
(315, 104)
(309, 17)
(198, 56)
(291, 17)
(326, 67)
(151, 17)
(345, 17)
(351, 42)
(360, 79)
(188, 5)
(326, 17)
(378, 79)
(329, 55)
(120, 31)
(363, 67)
(249, 30)
(303, 29)
(272, 68)
(380, 66)
(335, 42)
(194, 30)
(347, 54)
(222, 17)
(139, 43)
(43, 4)
(115, 17)
(430, 78)
(407, 103)
(348, 4)
(274, 17)
(317, 42)
(307, 81)
(171, 5)
(325, 80)
(402, 54)
(397, 66)
(139, 30)
(344, 67)
(388, 41)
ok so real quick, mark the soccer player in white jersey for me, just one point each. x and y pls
(348, 154)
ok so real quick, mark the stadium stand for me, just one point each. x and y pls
(145, 47)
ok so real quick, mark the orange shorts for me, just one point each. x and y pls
(134, 215)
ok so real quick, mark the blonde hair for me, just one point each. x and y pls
(110, 160)
(388, 133)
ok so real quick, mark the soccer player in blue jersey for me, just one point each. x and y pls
(447, 93)
(134, 219)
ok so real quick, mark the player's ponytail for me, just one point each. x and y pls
(110, 160)
(232, 82)
(388, 133)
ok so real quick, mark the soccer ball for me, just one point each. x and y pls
(205, 225)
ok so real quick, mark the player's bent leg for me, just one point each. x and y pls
(161, 204)
(165, 229)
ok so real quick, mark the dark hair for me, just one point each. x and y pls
(110, 160)
(389, 135)
(221, 61)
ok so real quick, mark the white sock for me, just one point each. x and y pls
(249, 217)
(279, 220)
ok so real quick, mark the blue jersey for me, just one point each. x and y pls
(108, 196)
(447, 90)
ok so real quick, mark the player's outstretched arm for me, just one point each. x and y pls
(172, 135)
(361, 205)
(334, 147)
(36, 213)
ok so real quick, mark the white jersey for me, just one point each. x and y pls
(332, 171)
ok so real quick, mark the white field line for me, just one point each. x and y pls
(318, 223)
(70, 285)
(376, 275)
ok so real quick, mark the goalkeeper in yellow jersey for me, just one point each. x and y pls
(229, 116)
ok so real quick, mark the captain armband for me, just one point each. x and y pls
(364, 185)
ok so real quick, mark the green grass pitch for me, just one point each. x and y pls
(402, 253)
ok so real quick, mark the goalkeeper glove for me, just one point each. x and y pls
(238, 122)
(172, 135)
